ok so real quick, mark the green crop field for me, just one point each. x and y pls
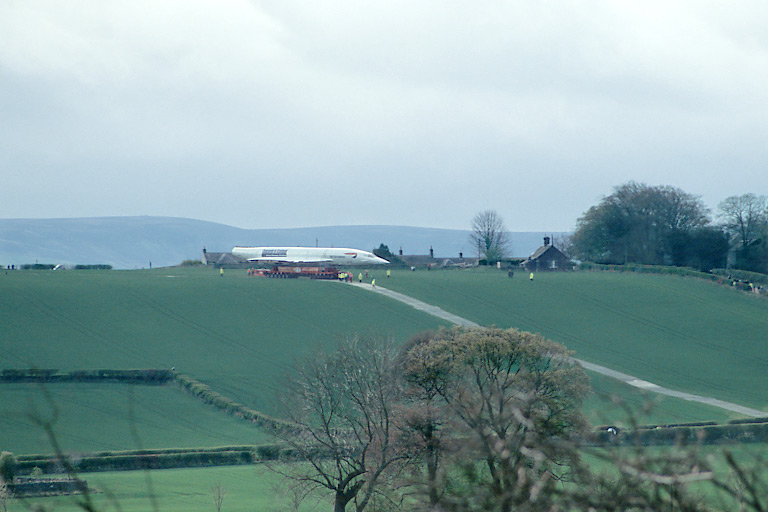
(241, 335)
(247, 489)
(238, 334)
(257, 488)
(93, 417)
(683, 333)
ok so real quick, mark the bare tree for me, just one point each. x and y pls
(343, 406)
(564, 242)
(489, 235)
(218, 492)
(744, 216)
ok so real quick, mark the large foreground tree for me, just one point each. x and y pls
(489, 236)
(342, 409)
(500, 407)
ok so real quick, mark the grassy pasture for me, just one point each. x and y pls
(255, 487)
(236, 333)
(97, 417)
(241, 334)
(615, 403)
(681, 333)
(247, 489)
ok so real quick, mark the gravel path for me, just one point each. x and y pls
(628, 379)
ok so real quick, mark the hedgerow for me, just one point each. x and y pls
(207, 395)
(139, 376)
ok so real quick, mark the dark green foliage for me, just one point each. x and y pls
(38, 266)
(742, 275)
(7, 466)
(191, 263)
(383, 252)
(652, 269)
(754, 256)
(703, 249)
(228, 405)
(93, 267)
(638, 223)
(706, 433)
(150, 376)
(142, 459)
(749, 420)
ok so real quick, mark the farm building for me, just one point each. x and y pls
(546, 257)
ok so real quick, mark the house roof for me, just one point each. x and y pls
(538, 253)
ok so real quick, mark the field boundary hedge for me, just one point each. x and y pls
(742, 275)
(652, 269)
(223, 403)
(739, 278)
(147, 377)
(48, 375)
(40, 487)
(130, 460)
(753, 430)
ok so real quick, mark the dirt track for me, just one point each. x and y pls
(628, 379)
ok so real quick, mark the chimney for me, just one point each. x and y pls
(546, 241)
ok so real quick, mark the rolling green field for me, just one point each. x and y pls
(238, 334)
(242, 334)
(256, 488)
(96, 417)
(682, 333)
(247, 489)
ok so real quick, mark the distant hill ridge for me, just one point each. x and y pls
(134, 242)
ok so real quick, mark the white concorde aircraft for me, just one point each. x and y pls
(314, 255)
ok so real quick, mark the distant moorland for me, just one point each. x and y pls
(134, 242)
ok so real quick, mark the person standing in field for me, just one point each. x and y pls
(531, 276)
(373, 284)
(389, 273)
(360, 277)
(221, 271)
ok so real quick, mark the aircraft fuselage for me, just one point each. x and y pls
(311, 255)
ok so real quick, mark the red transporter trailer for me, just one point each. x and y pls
(285, 272)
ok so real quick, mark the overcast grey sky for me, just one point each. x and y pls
(307, 113)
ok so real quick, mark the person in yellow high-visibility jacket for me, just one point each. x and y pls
(360, 277)
(373, 284)
(531, 276)
(389, 273)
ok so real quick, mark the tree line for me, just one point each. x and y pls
(663, 225)
(653, 225)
